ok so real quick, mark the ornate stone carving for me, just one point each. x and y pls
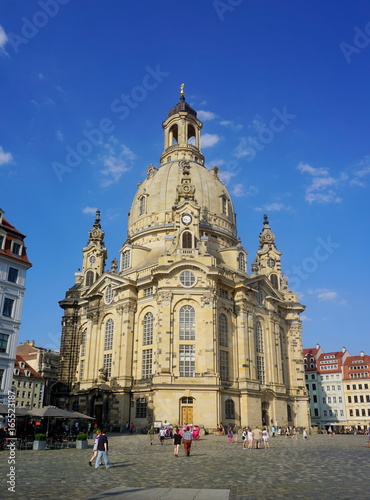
(164, 297)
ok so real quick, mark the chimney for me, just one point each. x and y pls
(362, 354)
(344, 349)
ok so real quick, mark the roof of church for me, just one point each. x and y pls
(182, 106)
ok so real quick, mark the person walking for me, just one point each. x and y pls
(244, 438)
(162, 435)
(230, 435)
(102, 450)
(305, 437)
(330, 431)
(250, 438)
(294, 433)
(151, 433)
(257, 435)
(176, 442)
(265, 438)
(95, 447)
(188, 438)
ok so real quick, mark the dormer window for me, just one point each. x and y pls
(16, 248)
(27, 373)
(16, 371)
(2, 241)
(22, 364)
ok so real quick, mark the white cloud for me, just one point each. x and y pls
(304, 317)
(231, 124)
(325, 295)
(205, 115)
(117, 161)
(209, 140)
(3, 40)
(59, 135)
(322, 187)
(305, 167)
(226, 176)
(240, 190)
(273, 207)
(5, 158)
(89, 210)
(362, 170)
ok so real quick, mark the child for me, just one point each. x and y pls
(230, 435)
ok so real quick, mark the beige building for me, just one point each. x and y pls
(28, 385)
(178, 331)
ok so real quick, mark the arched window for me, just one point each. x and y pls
(224, 365)
(83, 342)
(126, 257)
(229, 409)
(258, 336)
(187, 323)
(274, 280)
(191, 134)
(142, 205)
(148, 329)
(141, 406)
(89, 278)
(241, 261)
(108, 340)
(174, 135)
(187, 239)
(222, 330)
(289, 413)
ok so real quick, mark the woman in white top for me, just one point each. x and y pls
(265, 438)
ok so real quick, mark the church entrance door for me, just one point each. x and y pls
(187, 415)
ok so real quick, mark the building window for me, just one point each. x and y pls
(229, 409)
(8, 307)
(187, 360)
(89, 278)
(109, 294)
(1, 377)
(2, 239)
(289, 413)
(12, 275)
(351, 413)
(148, 291)
(258, 336)
(148, 329)
(334, 399)
(16, 249)
(329, 400)
(108, 340)
(325, 413)
(316, 412)
(348, 387)
(187, 239)
(147, 363)
(315, 399)
(224, 365)
(340, 399)
(142, 205)
(126, 258)
(274, 280)
(357, 413)
(314, 387)
(241, 262)
(323, 400)
(187, 278)
(224, 205)
(141, 406)
(261, 369)
(187, 323)
(3, 342)
(107, 365)
(82, 369)
(222, 330)
(355, 399)
(83, 342)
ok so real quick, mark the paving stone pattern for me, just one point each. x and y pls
(320, 468)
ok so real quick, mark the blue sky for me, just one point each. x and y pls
(283, 91)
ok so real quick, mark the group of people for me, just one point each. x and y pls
(186, 439)
(100, 449)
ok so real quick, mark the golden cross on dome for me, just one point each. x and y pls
(182, 91)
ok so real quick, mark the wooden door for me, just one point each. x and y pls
(187, 415)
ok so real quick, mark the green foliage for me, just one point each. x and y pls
(81, 437)
(40, 437)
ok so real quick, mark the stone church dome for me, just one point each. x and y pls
(182, 180)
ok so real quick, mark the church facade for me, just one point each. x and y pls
(177, 331)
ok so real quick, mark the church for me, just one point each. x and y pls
(178, 331)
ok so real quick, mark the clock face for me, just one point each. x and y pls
(92, 259)
(186, 219)
(271, 262)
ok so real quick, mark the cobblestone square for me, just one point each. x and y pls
(320, 468)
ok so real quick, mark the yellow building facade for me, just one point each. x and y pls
(178, 331)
